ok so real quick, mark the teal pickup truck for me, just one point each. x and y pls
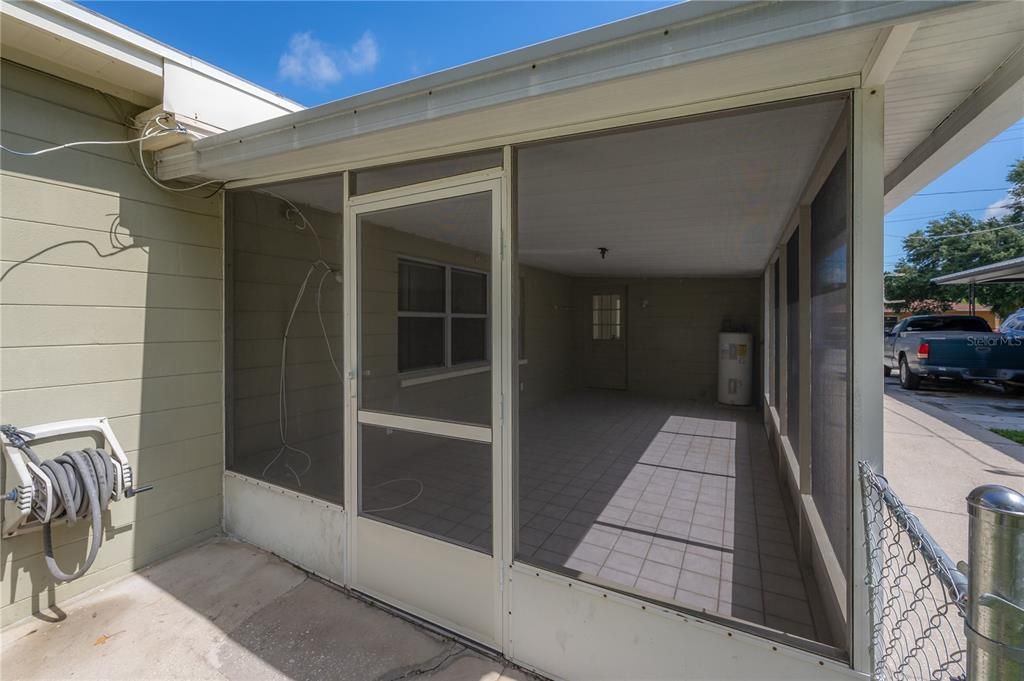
(952, 348)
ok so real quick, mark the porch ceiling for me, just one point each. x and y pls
(704, 198)
(707, 197)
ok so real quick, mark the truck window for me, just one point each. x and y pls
(951, 323)
(964, 324)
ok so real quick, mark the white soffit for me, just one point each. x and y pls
(959, 82)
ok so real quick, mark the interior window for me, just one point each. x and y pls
(442, 316)
(607, 316)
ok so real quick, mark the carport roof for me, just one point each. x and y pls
(1005, 272)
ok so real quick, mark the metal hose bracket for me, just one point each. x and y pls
(77, 484)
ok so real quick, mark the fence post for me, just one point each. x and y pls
(994, 626)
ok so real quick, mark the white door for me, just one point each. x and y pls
(424, 455)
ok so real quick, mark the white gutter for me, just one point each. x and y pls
(674, 36)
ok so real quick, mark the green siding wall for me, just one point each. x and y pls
(110, 305)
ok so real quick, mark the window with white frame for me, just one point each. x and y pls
(442, 316)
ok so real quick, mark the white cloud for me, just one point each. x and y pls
(310, 62)
(363, 56)
(998, 209)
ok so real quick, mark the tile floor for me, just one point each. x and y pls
(677, 500)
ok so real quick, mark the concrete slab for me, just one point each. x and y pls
(938, 447)
(225, 610)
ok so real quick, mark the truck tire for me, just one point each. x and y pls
(887, 371)
(908, 379)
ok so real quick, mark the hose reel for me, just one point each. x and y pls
(76, 484)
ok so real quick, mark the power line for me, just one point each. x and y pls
(1012, 225)
(964, 191)
(935, 215)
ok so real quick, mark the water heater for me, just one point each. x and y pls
(735, 367)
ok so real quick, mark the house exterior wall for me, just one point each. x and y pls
(111, 306)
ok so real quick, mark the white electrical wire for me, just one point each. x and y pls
(396, 506)
(145, 136)
(306, 224)
(282, 395)
(148, 132)
(159, 122)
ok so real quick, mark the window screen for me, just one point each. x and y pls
(775, 334)
(284, 400)
(830, 334)
(793, 340)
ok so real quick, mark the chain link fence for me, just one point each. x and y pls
(918, 597)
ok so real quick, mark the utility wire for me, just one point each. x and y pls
(964, 191)
(145, 136)
(1013, 225)
(936, 215)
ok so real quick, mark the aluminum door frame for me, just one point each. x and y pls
(369, 566)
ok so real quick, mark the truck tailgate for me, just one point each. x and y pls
(982, 353)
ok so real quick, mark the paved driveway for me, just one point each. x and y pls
(938, 447)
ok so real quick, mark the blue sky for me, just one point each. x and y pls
(314, 52)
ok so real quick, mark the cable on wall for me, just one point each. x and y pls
(302, 223)
(156, 127)
(293, 212)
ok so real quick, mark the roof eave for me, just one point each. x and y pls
(670, 37)
(1006, 271)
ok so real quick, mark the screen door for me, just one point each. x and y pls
(426, 455)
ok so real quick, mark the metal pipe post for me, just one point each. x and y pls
(995, 616)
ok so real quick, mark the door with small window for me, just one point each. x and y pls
(426, 523)
(605, 358)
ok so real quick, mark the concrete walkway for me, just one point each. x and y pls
(938, 447)
(226, 610)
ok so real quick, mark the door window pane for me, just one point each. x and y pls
(420, 343)
(420, 287)
(469, 292)
(607, 316)
(424, 310)
(430, 484)
(469, 339)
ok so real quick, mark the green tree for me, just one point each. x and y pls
(959, 242)
(1016, 193)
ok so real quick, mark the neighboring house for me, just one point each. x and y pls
(501, 287)
(983, 311)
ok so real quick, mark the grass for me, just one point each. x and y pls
(1015, 435)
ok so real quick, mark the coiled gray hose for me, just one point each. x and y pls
(82, 481)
